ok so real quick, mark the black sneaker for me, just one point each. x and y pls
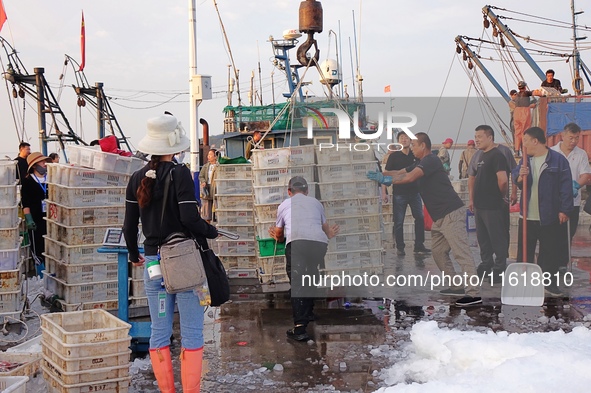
(453, 291)
(422, 250)
(469, 301)
(298, 334)
(400, 253)
(554, 291)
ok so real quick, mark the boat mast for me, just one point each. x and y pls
(193, 102)
(577, 80)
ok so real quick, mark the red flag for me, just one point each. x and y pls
(82, 44)
(3, 16)
(387, 89)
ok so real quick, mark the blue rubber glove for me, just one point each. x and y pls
(446, 167)
(30, 222)
(380, 178)
(576, 187)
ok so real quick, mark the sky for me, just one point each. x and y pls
(139, 50)
(442, 360)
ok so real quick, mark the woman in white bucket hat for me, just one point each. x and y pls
(144, 199)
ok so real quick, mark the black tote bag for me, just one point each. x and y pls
(217, 279)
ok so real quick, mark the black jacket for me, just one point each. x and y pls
(181, 212)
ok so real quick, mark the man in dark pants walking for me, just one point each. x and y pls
(302, 224)
(404, 195)
(488, 200)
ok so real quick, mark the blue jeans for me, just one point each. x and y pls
(416, 207)
(190, 312)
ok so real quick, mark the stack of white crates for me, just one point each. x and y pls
(82, 204)
(271, 173)
(351, 201)
(234, 213)
(11, 296)
(85, 351)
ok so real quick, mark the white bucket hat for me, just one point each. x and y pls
(165, 136)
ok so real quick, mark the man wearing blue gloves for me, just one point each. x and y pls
(579, 168)
(448, 232)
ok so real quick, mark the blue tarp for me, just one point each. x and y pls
(562, 113)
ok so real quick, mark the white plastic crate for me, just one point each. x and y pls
(342, 154)
(233, 187)
(82, 155)
(301, 155)
(352, 259)
(10, 280)
(357, 224)
(234, 217)
(74, 364)
(281, 176)
(9, 238)
(351, 189)
(86, 196)
(262, 228)
(77, 254)
(85, 327)
(76, 234)
(265, 213)
(359, 271)
(358, 241)
(141, 301)
(233, 171)
(7, 172)
(345, 172)
(264, 195)
(13, 384)
(9, 217)
(235, 202)
(276, 278)
(246, 232)
(91, 157)
(80, 293)
(9, 259)
(351, 207)
(272, 265)
(239, 261)
(11, 301)
(76, 176)
(243, 273)
(91, 215)
(82, 306)
(86, 273)
(120, 385)
(77, 377)
(8, 195)
(235, 247)
(28, 363)
(137, 272)
(137, 288)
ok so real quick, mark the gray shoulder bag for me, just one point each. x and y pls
(180, 257)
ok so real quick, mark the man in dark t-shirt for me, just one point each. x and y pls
(24, 149)
(404, 195)
(448, 232)
(551, 82)
(488, 200)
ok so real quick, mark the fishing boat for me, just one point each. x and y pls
(554, 108)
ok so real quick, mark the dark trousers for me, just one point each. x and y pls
(553, 251)
(303, 257)
(573, 221)
(416, 207)
(493, 239)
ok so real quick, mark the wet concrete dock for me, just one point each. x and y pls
(245, 339)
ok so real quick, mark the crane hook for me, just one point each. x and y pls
(302, 53)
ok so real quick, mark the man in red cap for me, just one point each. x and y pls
(444, 154)
(465, 159)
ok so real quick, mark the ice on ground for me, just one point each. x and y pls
(442, 360)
